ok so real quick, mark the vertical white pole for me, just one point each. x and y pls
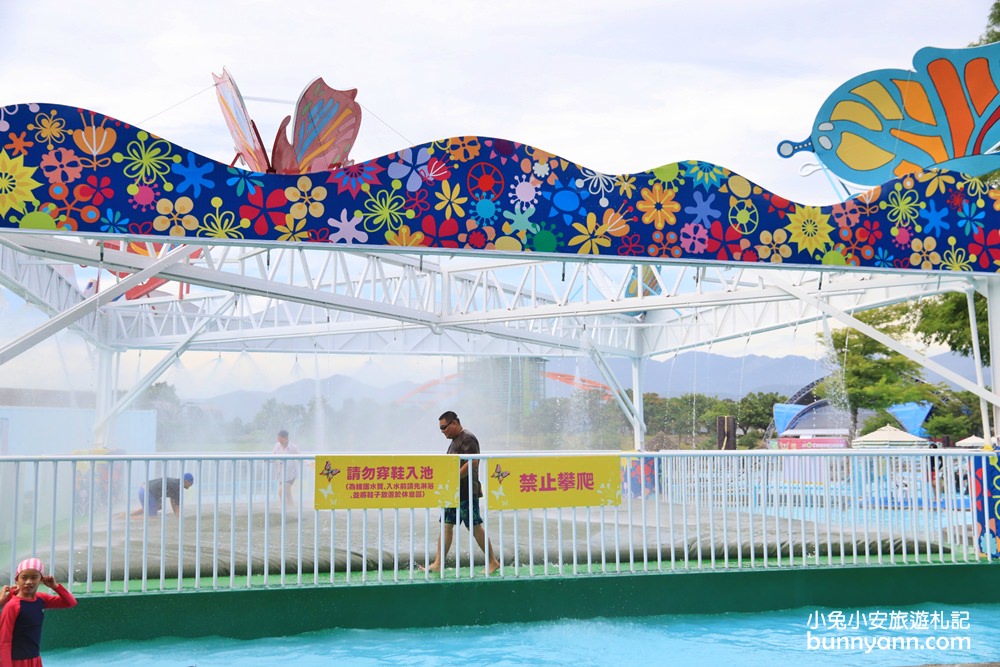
(978, 359)
(993, 320)
(638, 433)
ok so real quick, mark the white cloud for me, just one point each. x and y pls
(618, 87)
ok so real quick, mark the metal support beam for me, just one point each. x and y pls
(639, 434)
(621, 397)
(102, 423)
(84, 308)
(896, 346)
(993, 319)
(105, 393)
(978, 360)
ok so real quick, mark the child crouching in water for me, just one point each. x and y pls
(23, 612)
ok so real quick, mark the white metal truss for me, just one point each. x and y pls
(340, 301)
(330, 299)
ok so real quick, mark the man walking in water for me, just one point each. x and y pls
(463, 442)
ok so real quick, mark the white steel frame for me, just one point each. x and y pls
(333, 299)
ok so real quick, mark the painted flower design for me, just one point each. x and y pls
(306, 199)
(810, 229)
(409, 166)
(694, 238)
(406, 238)
(664, 244)
(474, 236)
(49, 129)
(16, 183)
(94, 189)
(112, 222)
(658, 206)
(970, 218)
(450, 200)
(975, 187)
(995, 196)
(385, 208)
(148, 161)
(442, 234)
(356, 178)
(631, 245)
(418, 202)
(936, 180)
(985, 247)
(294, 229)
(625, 185)
(956, 259)
(924, 254)
(346, 229)
(704, 175)
(264, 211)
(903, 206)
(61, 165)
(175, 217)
(19, 143)
(242, 180)
(846, 214)
(590, 237)
(773, 246)
(222, 224)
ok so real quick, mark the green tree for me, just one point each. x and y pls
(945, 320)
(956, 414)
(691, 418)
(876, 421)
(756, 410)
(992, 33)
(870, 375)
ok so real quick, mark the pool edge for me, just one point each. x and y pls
(275, 612)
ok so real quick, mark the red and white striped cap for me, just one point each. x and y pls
(29, 564)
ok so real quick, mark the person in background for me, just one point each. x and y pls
(151, 494)
(22, 616)
(463, 442)
(286, 471)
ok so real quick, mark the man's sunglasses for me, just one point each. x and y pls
(444, 426)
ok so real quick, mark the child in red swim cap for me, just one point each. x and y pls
(23, 612)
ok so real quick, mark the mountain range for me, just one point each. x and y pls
(689, 372)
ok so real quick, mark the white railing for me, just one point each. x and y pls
(679, 511)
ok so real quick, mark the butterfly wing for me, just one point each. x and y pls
(886, 124)
(283, 158)
(242, 129)
(326, 125)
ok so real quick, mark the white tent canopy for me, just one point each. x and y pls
(972, 442)
(889, 436)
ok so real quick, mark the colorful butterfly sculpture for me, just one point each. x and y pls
(241, 127)
(890, 123)
(326, 125)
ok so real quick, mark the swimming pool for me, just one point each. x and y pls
(772, 639)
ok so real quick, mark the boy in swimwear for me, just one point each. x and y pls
(22, 615)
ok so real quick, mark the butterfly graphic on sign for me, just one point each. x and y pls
(329, 472)
(500, 475)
